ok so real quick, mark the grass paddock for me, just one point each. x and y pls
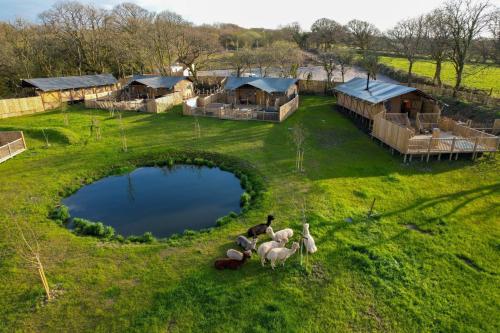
(428, 262)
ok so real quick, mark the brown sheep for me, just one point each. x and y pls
(228, 263)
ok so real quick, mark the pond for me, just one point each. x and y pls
(161, 200)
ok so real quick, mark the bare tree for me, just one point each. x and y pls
(344, 58)
(494, 28)
(406, 38)
(195, 47)
(164, 31)
(363, 33)
(240, 60)
(326, 32)
(437, 40)
(28, 248)
(371, 63)
(465, 20)
(327, 61)
(287, 57)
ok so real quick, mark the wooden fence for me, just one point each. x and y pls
(287, 109)
(14, 107)
(161, 104)
(427, 121)
(394, 135)
(11, 144)
(164, 103)
(133, 105)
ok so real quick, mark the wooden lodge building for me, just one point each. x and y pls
(409, 121)
(249, 98)
(55, 90)
(154, 86)
(147, 93)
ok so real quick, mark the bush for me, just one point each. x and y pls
(245, 199)
(189, 232)
(88, 228)
(146, 238)
(60, 214)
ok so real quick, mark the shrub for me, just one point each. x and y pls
(245, 199)
(189, 232)
(60, 214)
(147, 237)
(222, 221)
(233, 215)
(89, 228)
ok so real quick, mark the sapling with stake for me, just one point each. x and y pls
(46, 137)
(122, 132)
(64, 112)
(197, 128)
(299, 137)
(28, 248)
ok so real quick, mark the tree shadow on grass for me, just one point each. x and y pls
(465, 197)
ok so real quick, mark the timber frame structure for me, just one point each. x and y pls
(409, 121)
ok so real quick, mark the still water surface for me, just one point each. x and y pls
(162, 200)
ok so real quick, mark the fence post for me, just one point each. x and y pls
(429, 149)
(452, 147)
(475, 147)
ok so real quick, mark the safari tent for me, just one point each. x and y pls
(247, 98)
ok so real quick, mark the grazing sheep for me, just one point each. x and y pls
(246, 243)
(264, 248)
(281, 254)
(234, 254)
(280, 235)
(308, 239)
(260, 228)
(228, 263)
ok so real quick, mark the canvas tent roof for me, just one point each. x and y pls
(378, 91)
(156, 81)
(69, 82)
(267, 84)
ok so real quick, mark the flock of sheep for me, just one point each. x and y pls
(274, 250)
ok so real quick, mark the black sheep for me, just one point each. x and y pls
(260, 228)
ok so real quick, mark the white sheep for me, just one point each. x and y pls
(308, 239)
(281, 254)
(264, 248)
(281, 235)
(235, 254)
(246, 243)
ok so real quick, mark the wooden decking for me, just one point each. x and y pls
(11, 144)
(450, 138)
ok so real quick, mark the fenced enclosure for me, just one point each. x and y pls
(157, 105)
(237, 111)
(11, 144)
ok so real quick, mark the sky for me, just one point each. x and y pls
(255, 13)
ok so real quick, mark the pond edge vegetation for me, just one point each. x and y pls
(250, 180)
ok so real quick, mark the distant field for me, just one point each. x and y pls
(475, 76)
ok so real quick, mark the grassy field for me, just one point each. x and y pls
(475, 76)
(429, 262)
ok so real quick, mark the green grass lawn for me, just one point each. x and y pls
(475, 76)
(442, 275)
